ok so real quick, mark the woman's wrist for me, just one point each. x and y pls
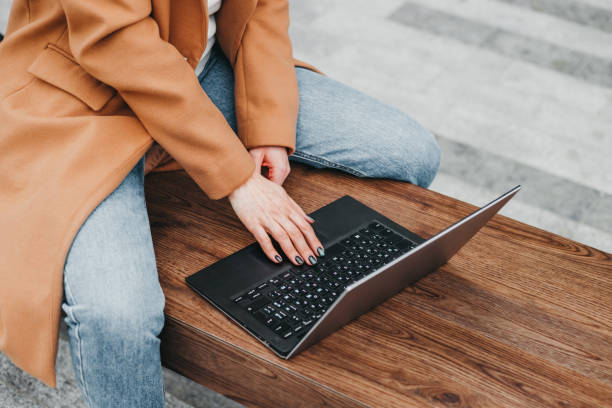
(274, 159)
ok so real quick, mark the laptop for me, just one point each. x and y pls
(368, 258)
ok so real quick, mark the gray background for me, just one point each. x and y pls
(517, 91)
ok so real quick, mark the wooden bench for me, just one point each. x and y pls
(519, 317)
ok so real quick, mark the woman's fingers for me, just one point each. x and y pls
(297, 237)
(303, 238)
(285, 242)
(266, 244)
(275, 159)
(309, 234)
(277, 172)
(299, 209)
(258, 157)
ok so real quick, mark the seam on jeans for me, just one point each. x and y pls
(328, 163)
(70, 297)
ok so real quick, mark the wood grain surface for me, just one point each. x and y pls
(519, 317)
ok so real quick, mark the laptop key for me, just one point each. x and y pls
(319, 270)
(274, 294)
(394, 238)
(295, 281)
(280, 315)
(281, 328)
(332, 251)
(376, 226)
(365, 231)
(258, 304)
(404, 244)
(268, 310)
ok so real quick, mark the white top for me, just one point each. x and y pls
(213, 7)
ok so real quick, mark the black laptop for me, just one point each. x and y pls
(368, 258)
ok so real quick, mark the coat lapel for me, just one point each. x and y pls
(183, 24)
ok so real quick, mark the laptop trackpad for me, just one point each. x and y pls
(238, 271)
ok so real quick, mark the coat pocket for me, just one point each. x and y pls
(58, 68)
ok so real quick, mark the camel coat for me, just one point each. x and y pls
(86, 88)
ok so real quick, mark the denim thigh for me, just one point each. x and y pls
(114, 303)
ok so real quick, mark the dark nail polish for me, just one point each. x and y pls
(278, 258)
(312, 260)
(321, 251)
(299, 260)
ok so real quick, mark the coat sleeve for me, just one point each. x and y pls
(265, 80)
(117, 42)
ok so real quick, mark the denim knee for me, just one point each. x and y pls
(427, 160)
(412, 156)
(131, 320)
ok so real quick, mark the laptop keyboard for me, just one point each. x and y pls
(291, 302)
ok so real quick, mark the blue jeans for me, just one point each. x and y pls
(112, 297)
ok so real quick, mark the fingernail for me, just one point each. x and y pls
(312, 260)
(299, 260)
(321, 251)
(278, 258)
(310, 218)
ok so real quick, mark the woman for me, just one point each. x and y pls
(95, 94)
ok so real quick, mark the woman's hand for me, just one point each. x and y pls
(265, 208)
(275, 159)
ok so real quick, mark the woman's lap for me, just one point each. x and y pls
(342, 128)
